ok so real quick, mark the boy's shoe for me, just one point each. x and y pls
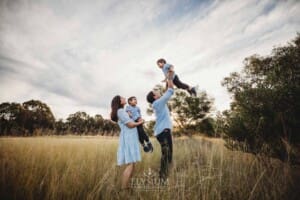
(192, 91)
(146, 148)
(150, 147)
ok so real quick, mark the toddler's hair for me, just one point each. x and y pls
(161, 60)
(130, 99)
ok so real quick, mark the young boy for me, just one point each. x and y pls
(135, 113)
(169, 72)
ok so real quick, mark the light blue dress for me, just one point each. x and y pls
(129, 148)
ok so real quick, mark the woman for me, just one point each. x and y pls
(129, 150)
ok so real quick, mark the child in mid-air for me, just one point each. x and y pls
(169, 72)
(135, 113)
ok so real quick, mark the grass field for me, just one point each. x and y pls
(85, 168)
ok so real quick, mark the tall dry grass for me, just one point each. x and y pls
(85, 168)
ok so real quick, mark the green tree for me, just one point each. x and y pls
(189, 112)
(77, 122)
(98, 123)
(61, 127)
(110, 127)
(38, 115)
(23, 119)
(149, 127)
(265, 112)
(11, 119)
(208, 126)
(220, 123)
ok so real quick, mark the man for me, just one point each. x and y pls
(163, 125)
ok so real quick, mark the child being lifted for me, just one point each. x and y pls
(169, 72)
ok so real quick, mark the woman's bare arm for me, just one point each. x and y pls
(134, 124)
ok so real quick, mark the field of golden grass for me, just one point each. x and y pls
(73, 167)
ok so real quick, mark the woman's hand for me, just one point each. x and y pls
(134, 124)
(141, 121)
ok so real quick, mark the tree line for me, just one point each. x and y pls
(191, 115)
(36, 118)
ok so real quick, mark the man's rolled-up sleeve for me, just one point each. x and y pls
(167, 95)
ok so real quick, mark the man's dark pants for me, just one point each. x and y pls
(165, 141)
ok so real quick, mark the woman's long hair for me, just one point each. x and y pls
(115, 105)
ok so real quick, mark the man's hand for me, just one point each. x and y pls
(170, 75)
(171, 68)
(170, 83)
(165, 80)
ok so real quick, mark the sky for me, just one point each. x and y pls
(77, 55)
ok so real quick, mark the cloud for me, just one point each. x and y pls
(77, 56)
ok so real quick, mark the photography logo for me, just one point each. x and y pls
(150, 180)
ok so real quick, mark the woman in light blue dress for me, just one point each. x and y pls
(129, 148)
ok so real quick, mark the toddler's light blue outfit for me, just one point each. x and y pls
(165, 70)
(129, 148)
(135, 111)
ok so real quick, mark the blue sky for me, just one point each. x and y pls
(76, 55)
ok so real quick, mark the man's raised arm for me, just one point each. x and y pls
(170, 82)
(167, 95)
